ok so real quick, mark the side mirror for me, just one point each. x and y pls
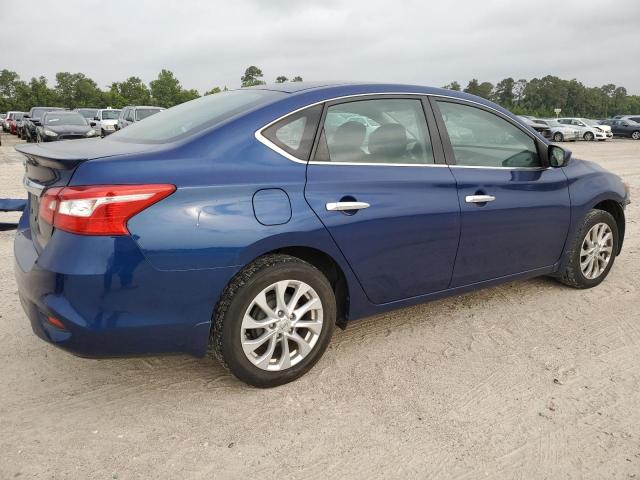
(93, 124)
(36, 121)
(625, 124)
(558, 157)
(26, 115)
(96, 118)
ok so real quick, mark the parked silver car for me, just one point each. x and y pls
(132, 114)
(559, 131)
(589, 129)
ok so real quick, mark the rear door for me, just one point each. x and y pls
(378, 182)
(515, 210)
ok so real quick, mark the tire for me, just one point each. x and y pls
(635, 135)
(558, 137)
(588, 136)
(102, 135)
(573, 274)
(238, 302)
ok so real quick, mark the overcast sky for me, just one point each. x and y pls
(210, 43)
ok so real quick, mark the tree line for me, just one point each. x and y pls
(538, 96)
(75, 90)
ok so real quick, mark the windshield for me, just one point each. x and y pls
(110, 114)
(143, 113)
(54, 119)
(87, 112)
(194, 116)
(18, 116)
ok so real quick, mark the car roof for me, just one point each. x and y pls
(331, 89)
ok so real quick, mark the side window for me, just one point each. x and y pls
(294, 134)
(129, 116)
(482, 139)
(376, 131)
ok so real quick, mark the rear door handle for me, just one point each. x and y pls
(342, 206)
(479, 198)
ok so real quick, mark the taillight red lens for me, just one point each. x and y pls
(98, 209)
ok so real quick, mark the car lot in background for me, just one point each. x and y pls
(634, 118)
(12, 122)
(87, 113)
(9, 116)
(105, 121)
(63, 125)
(33, 119)
(537, 126)
(132, 114)
(624, 127)
(560, 132)
(589, 129)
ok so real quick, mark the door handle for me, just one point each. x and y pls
(479, 198)
(342, 206)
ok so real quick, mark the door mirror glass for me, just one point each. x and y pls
(558, 157)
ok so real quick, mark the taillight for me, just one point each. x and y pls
(98, 209)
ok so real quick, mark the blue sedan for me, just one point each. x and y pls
(249, 223)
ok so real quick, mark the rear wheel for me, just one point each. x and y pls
(588, 136)
(592, 252)
(636, 135)
(557, 137)
(274, 321)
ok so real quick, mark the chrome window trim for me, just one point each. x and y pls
(266, 142)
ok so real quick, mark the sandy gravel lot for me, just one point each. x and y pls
(527, 380)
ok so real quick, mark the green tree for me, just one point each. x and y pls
(281, 79)
(483, 89)
(453, 86)
(132, 91)
(504, 94)
(213, 90)
(76, 90)
(166, 90)
(41, 94)
(297, 78)
(252, 76)
(9, 85)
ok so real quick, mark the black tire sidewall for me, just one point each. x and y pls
(232, 350)
(594, 217)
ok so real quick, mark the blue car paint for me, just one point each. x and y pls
(155, 291)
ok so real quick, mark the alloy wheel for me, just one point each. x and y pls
(635, 135)
(282, 325)
(596, 251)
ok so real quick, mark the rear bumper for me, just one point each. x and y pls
(110, 299)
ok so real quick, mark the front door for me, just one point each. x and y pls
(386, 196)
(514, 209)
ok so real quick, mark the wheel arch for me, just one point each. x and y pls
(617, 212)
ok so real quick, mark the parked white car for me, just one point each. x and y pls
(105, 121)
(560, 132)
(589, 129)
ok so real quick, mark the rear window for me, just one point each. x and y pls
(191, 117)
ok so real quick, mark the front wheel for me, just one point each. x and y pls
(593, 251)
(274, 321)
(588, 137)
(636, 135)
(557, 137)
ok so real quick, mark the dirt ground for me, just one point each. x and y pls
(526, 380)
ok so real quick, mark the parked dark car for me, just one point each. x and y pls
(238, 224)
(32, 120)
(624, 128)
(131, 114)
(63, 125)
(87, 113)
